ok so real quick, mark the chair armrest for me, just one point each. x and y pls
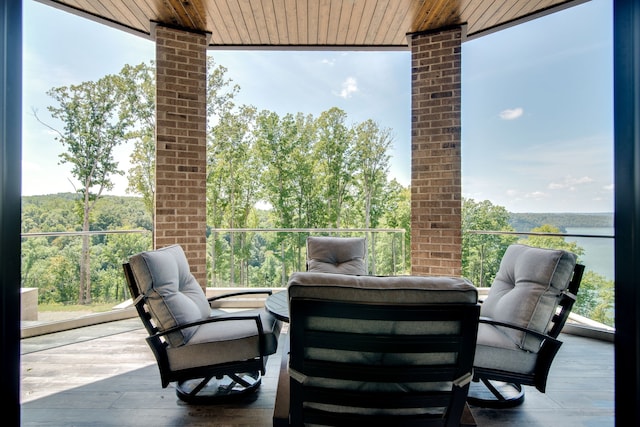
(255, 318)
(548, 349)
(537, 334)
(235, 294)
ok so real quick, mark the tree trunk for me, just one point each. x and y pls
(284, 266)
(213, 259)
(84, 296)
(367, 224)
(243, 261)
(232, 272)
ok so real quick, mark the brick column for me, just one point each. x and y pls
(436, 238)
(181, 144)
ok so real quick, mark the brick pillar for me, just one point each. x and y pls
(436, 238)
(181, 144)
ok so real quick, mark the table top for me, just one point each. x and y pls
(278, 305)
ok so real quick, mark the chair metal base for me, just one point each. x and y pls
(495, 394)
(213, 389)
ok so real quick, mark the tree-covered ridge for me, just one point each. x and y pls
(52, 263)
(58, 212)
(524, 222)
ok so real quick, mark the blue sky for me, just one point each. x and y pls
(537, 101)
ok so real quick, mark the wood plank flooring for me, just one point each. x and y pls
(105, 375)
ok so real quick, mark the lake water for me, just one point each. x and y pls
(598, 252)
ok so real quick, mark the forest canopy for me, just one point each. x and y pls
(264, 171)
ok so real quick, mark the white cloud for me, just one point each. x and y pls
(536, 195)
(349, 86)
(519, 195)
(570, 183)
(511, 114)
(327, 61)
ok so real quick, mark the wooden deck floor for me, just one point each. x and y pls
(105, 375)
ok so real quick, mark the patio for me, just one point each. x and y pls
(106, 375)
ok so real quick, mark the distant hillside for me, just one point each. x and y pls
(524, 222)
(59, 212)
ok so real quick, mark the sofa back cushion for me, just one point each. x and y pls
(408, 290)
(172, 293)
(527, 289)
(345, 255)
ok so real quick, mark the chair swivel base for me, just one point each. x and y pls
(213, 389)
(495, 394)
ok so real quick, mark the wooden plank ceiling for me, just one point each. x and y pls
(372, 24)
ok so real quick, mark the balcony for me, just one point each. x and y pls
(282, 251)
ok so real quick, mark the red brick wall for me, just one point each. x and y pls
(436, 237)
(181, 145)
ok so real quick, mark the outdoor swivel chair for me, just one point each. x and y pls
(209, 354)
(527, 307)
(378, 351)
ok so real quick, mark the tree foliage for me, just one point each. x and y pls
(96, 118)
(481, 253)
(52, 263)
(140, 93)
(305, 172)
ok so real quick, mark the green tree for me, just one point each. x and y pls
(276, 144)
(140, 92)
(482, 253)
(334, 152)
(596, 298)
(233, 174)
(371, 161)
(549, 238)
(96, 119)
(396, 214)
(220, 94)
(284, 146)
(46, 260)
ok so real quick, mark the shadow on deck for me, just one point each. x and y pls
(105, 375)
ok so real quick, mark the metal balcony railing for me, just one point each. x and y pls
(238, 258)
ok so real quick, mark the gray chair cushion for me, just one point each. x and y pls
(228, 341)
(344, 255)
(525, 292)
(173, 294)
(496, 350)
(380, 289)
